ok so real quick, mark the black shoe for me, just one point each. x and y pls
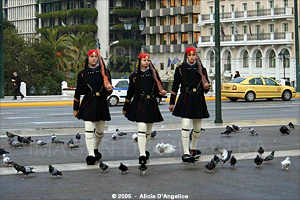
(22, 97)
(147, 155)
(186, 158)
(142, 161)
(90, 160)
(98, 155)
(196, 154)
(14, 99)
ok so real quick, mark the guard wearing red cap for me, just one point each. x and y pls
(141, 105)
(191, 101)
(93, 108)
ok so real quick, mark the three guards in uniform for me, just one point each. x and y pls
(192, 77)
(141, 105)
(93, 108)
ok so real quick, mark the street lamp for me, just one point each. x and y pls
(128, 25)
(282, 57)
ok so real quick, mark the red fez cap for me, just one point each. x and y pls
(93, 51)
(144, 55)
(190, 50)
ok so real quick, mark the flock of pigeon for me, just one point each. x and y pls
(160, 148)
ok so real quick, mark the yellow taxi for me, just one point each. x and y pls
(256, 87)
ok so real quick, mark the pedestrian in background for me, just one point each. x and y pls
(237, 74)
(17, 86)
(141, 105)
(93, 109)
(192, 77)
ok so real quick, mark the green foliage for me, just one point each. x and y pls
(130, 43)
(127, 12)
(86, 13)
(87, 28)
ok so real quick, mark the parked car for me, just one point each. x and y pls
(256, 87)
(120, 92)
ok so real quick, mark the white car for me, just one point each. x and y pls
(120, 92)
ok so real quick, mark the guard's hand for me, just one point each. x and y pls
(124, 112)
(75, 113)
(163, 93)
(171, 107)
(109, 87)
(206, 86)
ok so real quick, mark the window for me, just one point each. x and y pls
(184, 19)
(212, 59)
(195, 18)
(152, 21)
(211, 31)
(196, 36)
(272, 62)
(163, 21)
(152, 4)
(211, 9)
(122, 84)
(222, 11)
(246, 59)
(232, 7)
(285, 27)
(163, 3)
(162, 66)
(173, 3)
(227, 66)
(271, 4)
(163, 39)
(271, 28)
(153, 39)
(269, 81)
(285, 3)
(173, 38)
(172, 66)
(255, 81)
(245, 29)
(196, 2)
(245, 6)
(184, 38)
(173, 20)
(258, 59)
(184, 2)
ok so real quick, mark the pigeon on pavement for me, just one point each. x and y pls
(285, 164)
(2, 151)
(258, 160)
(14, 143)
(153, 134)
(284, 130)
(216, 159)
(270, 157)
(135, 137)
(72, 145)
(40, 142)
(228, 130)
(236, 128)
(53, 136)
(232, 161)
(57, 141)
(291, 125)
(260, 151)
(10, 135)
(123, 168)
(54, 172)
(211, 165)
(103, 166)
(78, 137)
(17, 167)
(114, 136)
(120, 133)
(252, 131)
(162, 148)
(26, 170)
(226, 155)
(7, 160)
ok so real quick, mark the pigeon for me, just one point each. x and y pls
(53, 136)
(40, 142)
(260, 151)
(72, 145)
(2, 151)
(120, 133)
(228, 130)
(226, 155)
(114, 136)
(26, 170)
(232, 161)
(211, 165)
(285, 164)
(236, 128)
(284, 130)
(17, 167)
(162, 148)
(258, 160)
(78, 137)
(135, 137)
(24, 140)
(7, 160)
(270, 157)
(54, 172)
(291, 125)
(103, 166)
(216, 159)
(252, 131)
(153, 134)
(10, 135)
(123, 168)
(57, 141)
(14, 143)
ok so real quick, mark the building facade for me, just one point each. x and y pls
(22, 13)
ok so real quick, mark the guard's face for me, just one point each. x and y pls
(191, 57)
(93, 60)
(145, 62)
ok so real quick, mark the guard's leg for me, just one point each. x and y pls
(148, 138)
(185, 139)
(142, 140)
(195, 136)
(89, 140)
(98, 137)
